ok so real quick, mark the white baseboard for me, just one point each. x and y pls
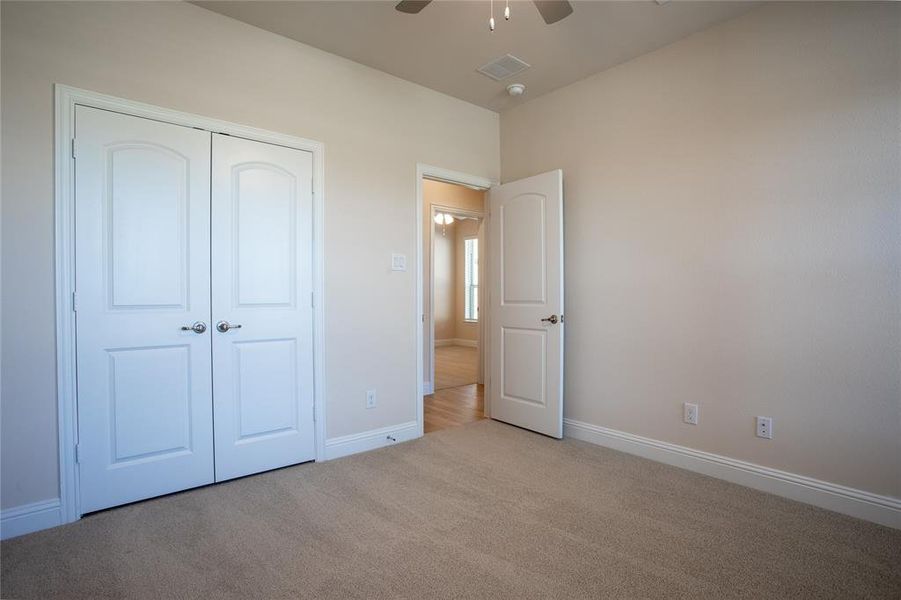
(27, 518)
(427, 388)
(457, 342)
(884, 510)
(370, 440)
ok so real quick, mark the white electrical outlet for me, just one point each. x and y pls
(765, 427)
(690, 413)
(370, 398)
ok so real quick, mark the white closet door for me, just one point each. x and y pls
(261, 293)
(142, 201)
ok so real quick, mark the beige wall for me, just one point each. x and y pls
(445, 281)
(375, 128)
(463, 329)
(438, 193)
(732, 238)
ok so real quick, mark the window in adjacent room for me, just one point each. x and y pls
(471, 279)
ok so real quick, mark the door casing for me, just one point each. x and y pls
(65, 148)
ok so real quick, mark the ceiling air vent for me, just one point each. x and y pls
(503, 67)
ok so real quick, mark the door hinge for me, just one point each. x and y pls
(312, 300)
(314, 413)
(73, 147)
(78, 453)
(74, 301)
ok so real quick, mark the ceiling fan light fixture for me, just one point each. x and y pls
(551, 10)
(444, 220)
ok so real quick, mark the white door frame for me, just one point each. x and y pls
(424, 171)
(64, 200)
(480, 215)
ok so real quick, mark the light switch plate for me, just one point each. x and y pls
(398, 262)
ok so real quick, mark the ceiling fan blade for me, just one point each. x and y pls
(553, 10)
(411, 6)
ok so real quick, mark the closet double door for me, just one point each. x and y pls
(193, 307)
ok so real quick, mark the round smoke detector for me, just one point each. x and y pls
(516, 89)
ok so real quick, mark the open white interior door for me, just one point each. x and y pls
(526, 258)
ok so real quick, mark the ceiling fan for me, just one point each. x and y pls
(551, 10)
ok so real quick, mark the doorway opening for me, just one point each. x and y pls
(457, 380)
(453, 303)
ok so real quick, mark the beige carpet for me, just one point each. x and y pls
(479, 511)
(456, 366)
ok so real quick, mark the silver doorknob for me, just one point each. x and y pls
(224, 326)
(553, 320)
(198, 327)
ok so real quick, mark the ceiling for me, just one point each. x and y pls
(442, 46)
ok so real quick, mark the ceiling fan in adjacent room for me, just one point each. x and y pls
(551, 10)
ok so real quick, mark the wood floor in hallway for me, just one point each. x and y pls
(458, 399)
(455, 406)
(456, 366)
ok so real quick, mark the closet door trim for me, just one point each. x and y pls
(65, 150)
